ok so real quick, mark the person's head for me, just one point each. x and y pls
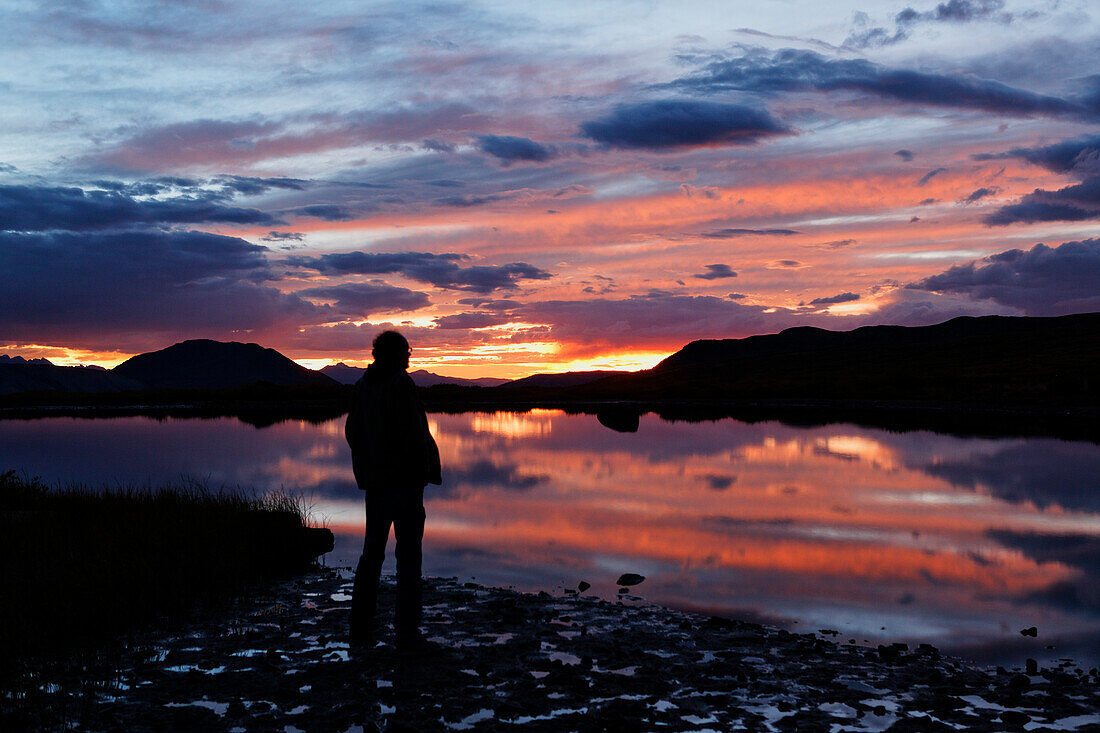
(391, 350)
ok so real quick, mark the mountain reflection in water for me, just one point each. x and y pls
(960, 542)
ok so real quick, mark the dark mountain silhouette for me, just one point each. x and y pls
(562, 379)
(989, 359)
(342, 373)
(19, 375)
(345, 374)
(206, 364)
(422, 378)
(5, 359)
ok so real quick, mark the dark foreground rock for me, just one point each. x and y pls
(517, 661)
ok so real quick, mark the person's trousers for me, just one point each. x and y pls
(403, 509)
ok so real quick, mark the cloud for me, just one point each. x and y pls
(519, 195)
(795, 70)
(325, 212)
(138, 290)
(484, 473)
(509, 149)
(957, 11)
(275, 236)
(930, 175)
(834, 244)
(39, 208)
(833, 299)
(471, 320)
(670, 124)
(1042, 281)
(438, 146)
(906, 155)
(731, 233)
(251, 185)
(980, 194)
(440, 270)
(489, 303)
(864, 35)
(715, 272)
(206, 143)
(1077, 154)
(655, 320)
(1040, 472)
(365, 299)
(1080, 202)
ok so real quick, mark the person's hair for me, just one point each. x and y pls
(389, 347)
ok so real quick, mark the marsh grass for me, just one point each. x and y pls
(80, 565)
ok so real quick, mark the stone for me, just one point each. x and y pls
(629, 579)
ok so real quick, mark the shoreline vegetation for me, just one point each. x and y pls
(84, 565)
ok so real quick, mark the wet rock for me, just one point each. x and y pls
(553, 662)
(629, 579)
(1030, 631)
(583, 586)
(1031, 667)
(1015, 718)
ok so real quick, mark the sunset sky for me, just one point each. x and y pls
(530, 187)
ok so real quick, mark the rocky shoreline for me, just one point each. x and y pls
(537, 662)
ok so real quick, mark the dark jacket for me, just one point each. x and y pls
(391, 446)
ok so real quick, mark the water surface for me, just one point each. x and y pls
(882, 536)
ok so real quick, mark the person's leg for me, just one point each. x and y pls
(364, 597)
(408, 530)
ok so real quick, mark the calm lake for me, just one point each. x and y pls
(882, 536)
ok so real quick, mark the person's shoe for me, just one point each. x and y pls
(361, 634)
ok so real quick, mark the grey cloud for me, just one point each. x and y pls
(656, 318)
(795, 70)
(251, 185)
(276, 236)
(489, 303)
(484, 472)
(364, 299)
(1042, 281)
(670, 124)
(112, 290)
(326, 212)
(509, 149)
(438, 146)
(37, 208)
(715, 272)
(1079, 202)
(440, 270)
(1080, 153)
(957, 11)
(980, 194)
(833, 299)
(906, 155)
(731, 233)
(471, 320)
(864, 35)
(930, 175)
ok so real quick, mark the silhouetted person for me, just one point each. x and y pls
(393, 456)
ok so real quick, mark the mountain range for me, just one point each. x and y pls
(345, 374)
(993, 360)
